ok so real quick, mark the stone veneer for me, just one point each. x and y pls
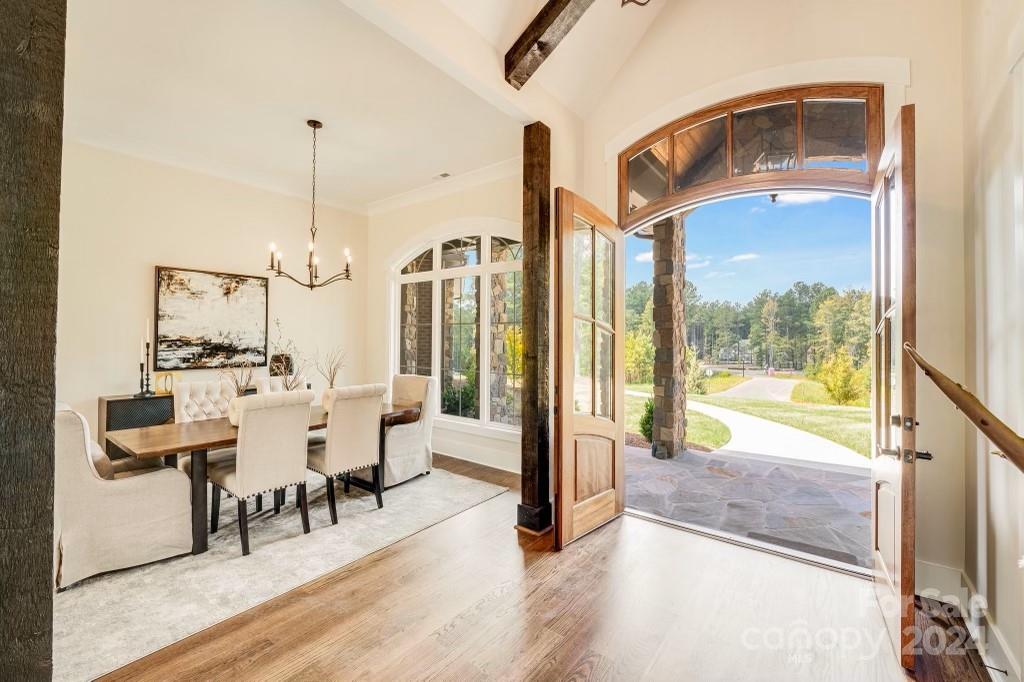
(669, 430)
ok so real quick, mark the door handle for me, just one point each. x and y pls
(925, 455)
(888, 452)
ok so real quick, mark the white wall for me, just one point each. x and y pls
(705, 46)
(994, 253)
(122, 216)
(394, 235)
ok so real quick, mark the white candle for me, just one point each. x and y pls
(142, 352)
(147, 330)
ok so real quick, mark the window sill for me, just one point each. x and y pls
(477, 428)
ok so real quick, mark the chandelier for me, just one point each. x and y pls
(312, 260)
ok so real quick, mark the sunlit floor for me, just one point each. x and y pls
(804, 508)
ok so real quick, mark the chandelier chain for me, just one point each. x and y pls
(312, 219)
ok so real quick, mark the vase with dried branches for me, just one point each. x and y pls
(329, 366)
(284, 347)
(240, 377)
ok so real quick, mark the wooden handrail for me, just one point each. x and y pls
(1011, 444)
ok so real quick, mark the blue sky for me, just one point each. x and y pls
(738, 247)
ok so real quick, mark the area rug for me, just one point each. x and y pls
(109, 620)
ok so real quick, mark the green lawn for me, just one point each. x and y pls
(814, 393)
(701, 430)
(848, 426)
(719, 383)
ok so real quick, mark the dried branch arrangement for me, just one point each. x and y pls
(240, 378)
(330, 365)
(295, 380)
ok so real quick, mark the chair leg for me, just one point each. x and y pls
(259, 502)
(378, 485)
(243, 526)
(215, 509)
(331, 502)
(303, 507)
(348, 480)
(277, 501)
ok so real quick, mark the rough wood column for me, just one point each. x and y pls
(669, 431)
(31, 120)
(535, 510)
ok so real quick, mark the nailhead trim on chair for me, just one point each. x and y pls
(345, 471)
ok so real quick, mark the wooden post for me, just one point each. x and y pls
(31, 121)
(535, 510)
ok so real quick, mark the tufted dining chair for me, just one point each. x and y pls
(104, 519)
(271, 453)
(199, 400)
(353, 438)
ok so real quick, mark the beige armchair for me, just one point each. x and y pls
(353, 438)
(105, 520)
(271, 453)
(407, 451)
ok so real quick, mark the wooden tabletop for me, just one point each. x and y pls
(170, 439)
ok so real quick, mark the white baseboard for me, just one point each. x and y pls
(995, 650)
(952, 586)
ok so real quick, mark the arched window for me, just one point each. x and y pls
(459, 319)
(826, 137)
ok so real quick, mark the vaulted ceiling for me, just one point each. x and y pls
(225, 88)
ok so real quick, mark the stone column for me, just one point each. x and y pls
(669, 432)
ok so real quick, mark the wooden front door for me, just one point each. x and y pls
(894, 316)
(590, 388)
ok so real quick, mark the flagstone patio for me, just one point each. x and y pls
(811, 509)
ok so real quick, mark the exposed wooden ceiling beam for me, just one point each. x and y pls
(540, 38)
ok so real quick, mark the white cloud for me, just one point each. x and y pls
(692, 256)
(740, 257)
(698, 264)
(645, 257)
(715, 274)
(757, 209)
(798, 198)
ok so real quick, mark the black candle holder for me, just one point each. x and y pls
(144, 390)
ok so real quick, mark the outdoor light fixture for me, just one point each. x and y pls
(312, 260)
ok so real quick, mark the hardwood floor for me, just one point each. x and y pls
(466, 599)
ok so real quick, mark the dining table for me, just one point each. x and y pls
(197, 438)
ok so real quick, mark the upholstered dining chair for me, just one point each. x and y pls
(106, 520)
(271, 453)
(353, 438)
(407, 451)
(198, 400)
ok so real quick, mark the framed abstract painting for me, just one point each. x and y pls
(209, 320)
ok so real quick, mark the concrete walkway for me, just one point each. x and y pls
(762, 388)
(760, 438)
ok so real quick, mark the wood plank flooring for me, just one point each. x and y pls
(469, 599)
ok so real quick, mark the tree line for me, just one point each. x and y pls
(801, 328)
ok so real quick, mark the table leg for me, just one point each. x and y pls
(199, 529)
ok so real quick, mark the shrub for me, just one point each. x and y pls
(843, 383)
(647, 421)
(696, 381)
(723, 373)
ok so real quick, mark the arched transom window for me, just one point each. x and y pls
(459, 319)
(814, 137)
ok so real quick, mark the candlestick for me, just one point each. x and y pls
(142, 388)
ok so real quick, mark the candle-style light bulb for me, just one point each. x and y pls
(279, 257)
(316, 260)
(312, 246)
(273, 247)
(347, 252)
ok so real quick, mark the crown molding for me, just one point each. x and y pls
(442, 188)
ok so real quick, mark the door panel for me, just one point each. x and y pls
(590, 388)
(894, 405)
